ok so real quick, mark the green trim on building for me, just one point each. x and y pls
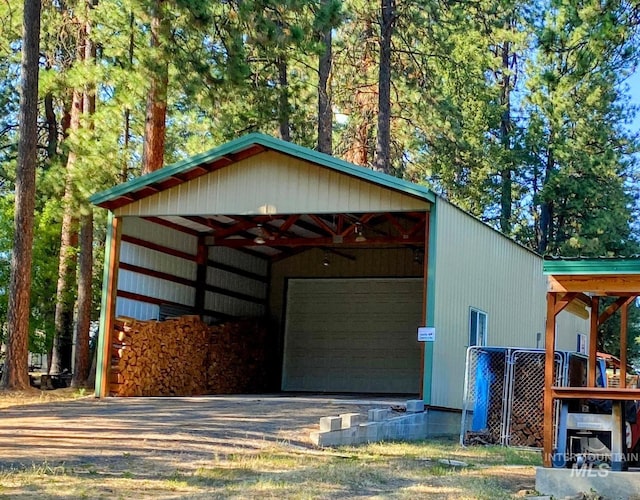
(104, 306)
(431, 304)
(630, 265)
(268, 142)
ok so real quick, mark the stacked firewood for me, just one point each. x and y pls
(184, 356)
(240, 358)
(527, 412)
(159, 358)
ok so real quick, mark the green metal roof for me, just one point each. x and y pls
(595, 265)
(271, 143)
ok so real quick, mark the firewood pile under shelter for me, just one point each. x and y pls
(184, 356)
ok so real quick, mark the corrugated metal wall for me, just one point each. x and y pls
(154, 260)
(160, 289)
(256, 185)
(477, 267)
(233, 282)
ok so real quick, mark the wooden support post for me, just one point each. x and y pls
(593, 342)
(549, 370)
(624, 318)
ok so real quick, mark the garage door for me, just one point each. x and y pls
(352, 335)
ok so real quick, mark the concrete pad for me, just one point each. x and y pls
(561, 483)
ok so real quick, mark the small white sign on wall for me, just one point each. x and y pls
(426, 334)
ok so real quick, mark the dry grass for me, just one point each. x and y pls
(35, 396)
(382, 470)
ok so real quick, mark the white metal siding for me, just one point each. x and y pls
(271, 182)
(136, 309)
(233, 257)
(161, 235)
(227, 280)
(156, 261)
(478, 267)
(353, 335)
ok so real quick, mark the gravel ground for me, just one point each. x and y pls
(160, 433)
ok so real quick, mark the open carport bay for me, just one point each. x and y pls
(162, 433)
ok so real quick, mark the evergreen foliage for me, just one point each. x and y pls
(517, 111)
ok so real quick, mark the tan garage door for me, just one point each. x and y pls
(352, 335)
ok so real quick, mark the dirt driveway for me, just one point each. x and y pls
(160, 433)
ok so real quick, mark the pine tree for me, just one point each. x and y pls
(15, 374)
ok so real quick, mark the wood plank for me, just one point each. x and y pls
(624, 317)
(613, 393)
(598, 284)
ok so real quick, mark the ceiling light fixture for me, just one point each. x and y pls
(326, 262)
(418, 256)
(360, 237)
(260, 237)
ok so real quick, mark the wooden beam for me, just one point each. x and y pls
(611, 310)
(563, 301)
(291, 220)
(597, 284)
(593, 342)
(614, 393)
(323, 225)
(549, 371)
(624, 327)
(318, 242)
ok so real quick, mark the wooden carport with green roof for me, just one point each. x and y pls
(583, 282)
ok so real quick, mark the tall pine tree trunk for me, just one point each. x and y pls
(363, 111)
(15, 375)
(61, 355)
(382, 161)
(283, 104)
(155, 123)
(124, 170)
(52, 127)
(83, 323)
(81, 363)
(545, 229)
(325, 113)
(63, 338)
(506, 191)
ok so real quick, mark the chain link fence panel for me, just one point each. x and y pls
(504, 394)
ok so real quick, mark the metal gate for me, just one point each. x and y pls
(504, 394)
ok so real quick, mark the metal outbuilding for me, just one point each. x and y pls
(347, 262)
